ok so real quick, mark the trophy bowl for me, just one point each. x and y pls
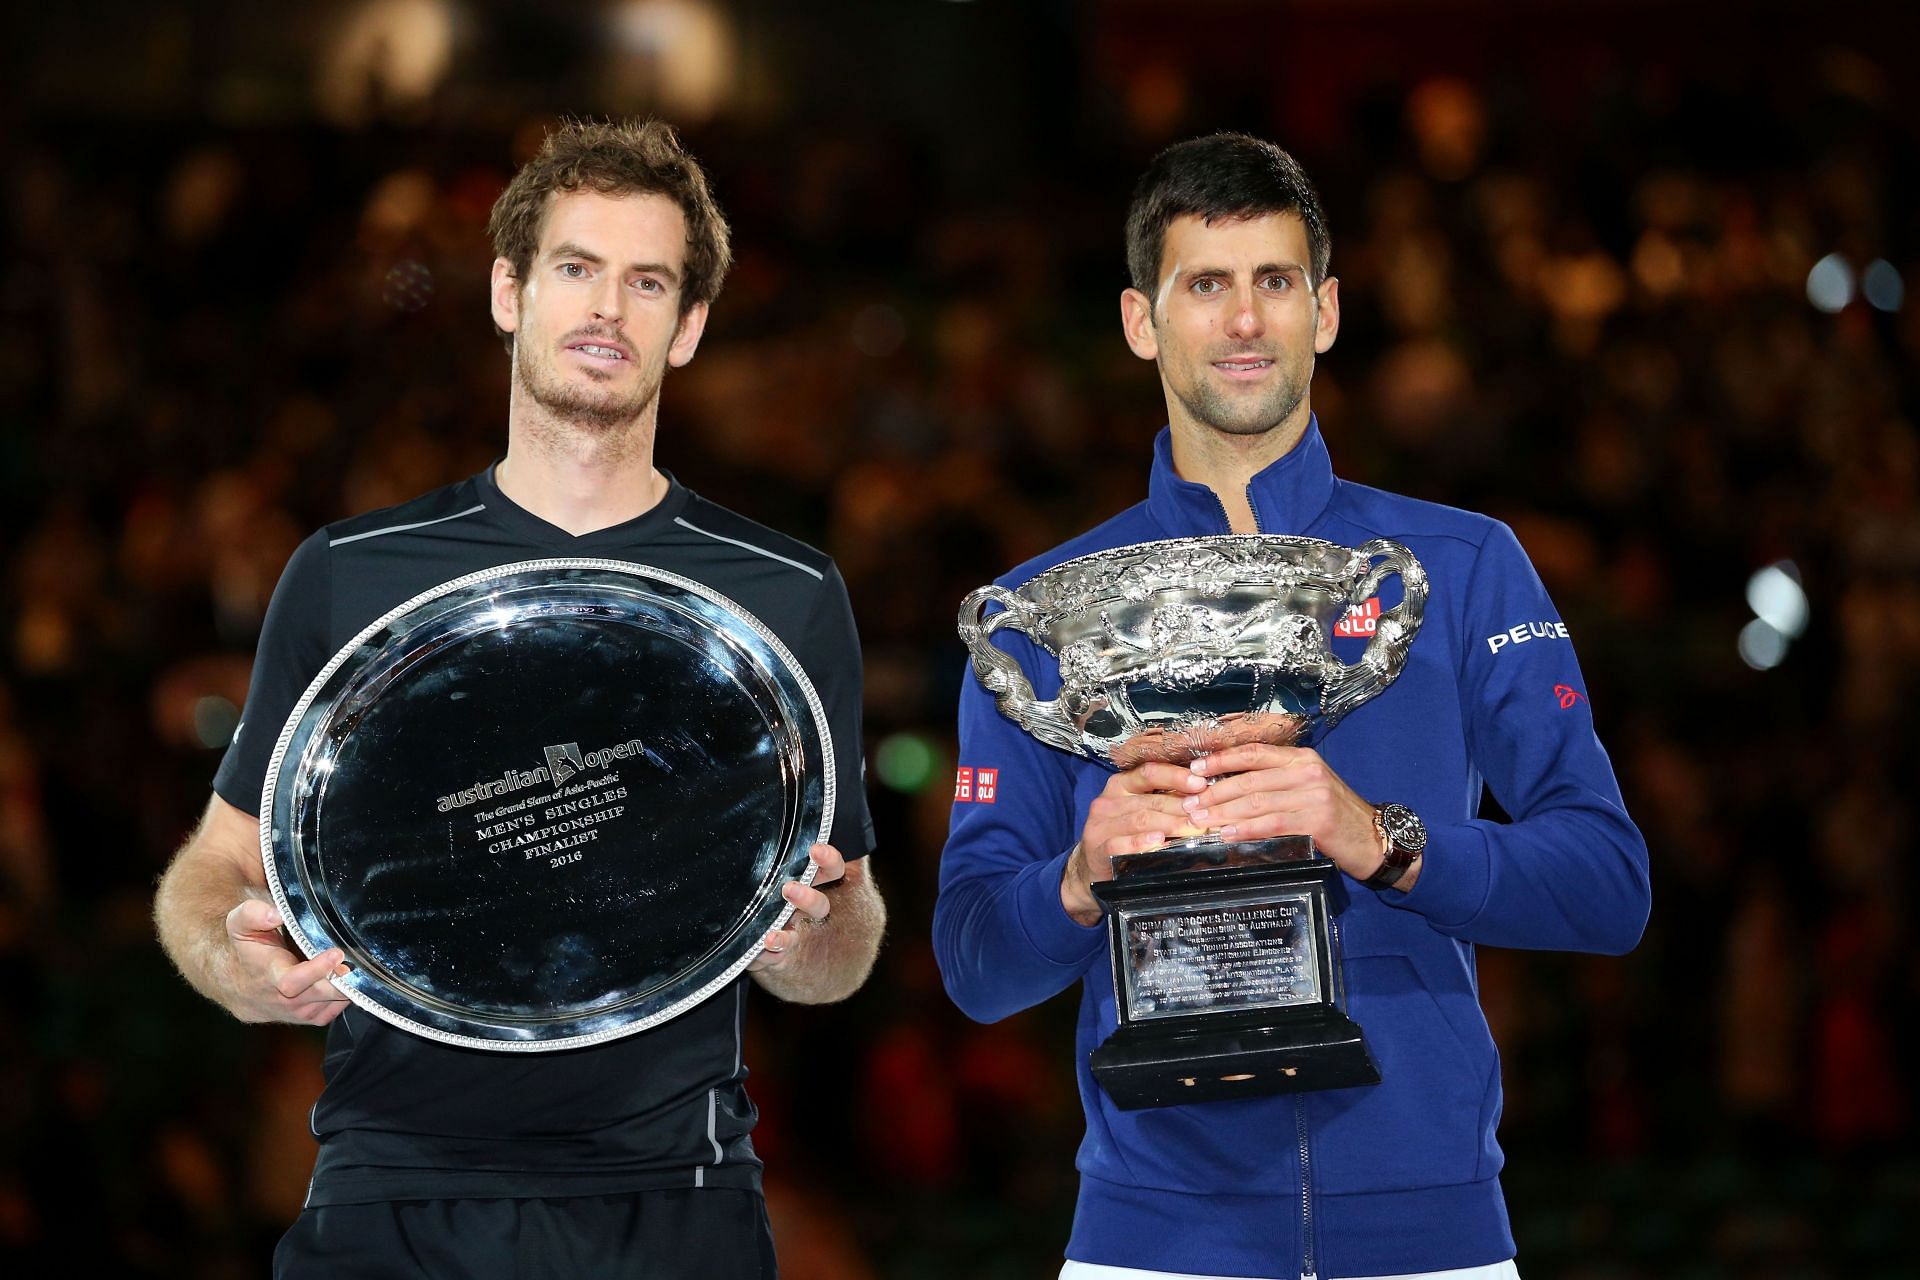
(1171, 650)
(1226, 964)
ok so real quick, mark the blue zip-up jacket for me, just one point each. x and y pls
(1393, 1178)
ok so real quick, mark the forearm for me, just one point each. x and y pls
(832, 957)
(1002, 935)
(217, 870)
(1004, 941)
(1562, 882)
(190, 915)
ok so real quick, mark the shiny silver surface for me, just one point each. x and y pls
(1230, 954)
(547, 804)
(1170, 650)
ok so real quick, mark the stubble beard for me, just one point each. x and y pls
(596, 411)
(1242, 417)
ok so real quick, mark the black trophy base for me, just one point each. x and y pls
(1324, 1050)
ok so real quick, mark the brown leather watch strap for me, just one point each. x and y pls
(1396, 857)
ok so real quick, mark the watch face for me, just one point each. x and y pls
(1404, 827)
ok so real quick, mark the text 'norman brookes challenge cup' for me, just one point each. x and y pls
(1226, 967)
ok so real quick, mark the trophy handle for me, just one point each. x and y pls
(1386, 653)
(1002, 675)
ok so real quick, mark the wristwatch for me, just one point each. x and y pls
(1403, 837)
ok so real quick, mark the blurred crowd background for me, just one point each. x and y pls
(1630, 276)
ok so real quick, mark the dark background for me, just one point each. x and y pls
(243, 294)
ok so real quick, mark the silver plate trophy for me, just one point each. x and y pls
(547, 804)
(1225, 958)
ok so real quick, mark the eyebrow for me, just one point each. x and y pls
(1264, 269)
(568, 249)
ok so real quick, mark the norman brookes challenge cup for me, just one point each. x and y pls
(1226, 968)
(547, 804)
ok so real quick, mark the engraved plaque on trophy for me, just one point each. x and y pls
(1227, 977)
(547, 804)
(1231, 952)
(1225, 954)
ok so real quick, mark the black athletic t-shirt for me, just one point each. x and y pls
(403, 1117)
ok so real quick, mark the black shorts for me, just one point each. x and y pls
(712, 1233)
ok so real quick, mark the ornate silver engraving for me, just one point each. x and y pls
(1168, 650)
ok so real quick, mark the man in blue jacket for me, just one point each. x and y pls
(1228, 250)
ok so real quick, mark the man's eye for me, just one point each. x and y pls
(573, 270)
(1206, 286)
(647, 284)
(1277, 282)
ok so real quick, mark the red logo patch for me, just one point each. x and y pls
(1361, 620)
(986, 785)
(1568, 695)
(980, 786)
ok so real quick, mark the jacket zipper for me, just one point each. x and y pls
(1307, 1269)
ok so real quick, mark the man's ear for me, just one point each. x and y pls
(1136, 322)
(504, 294)
(687, 337)
(1326, 318)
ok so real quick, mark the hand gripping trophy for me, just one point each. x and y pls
(1225, 954)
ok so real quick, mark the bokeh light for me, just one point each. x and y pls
(906, 761)
(214, 720)
(1777, 598)
(1761, 647)
(1882, 286)
(1830, 284)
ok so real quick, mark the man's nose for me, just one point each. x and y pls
(1244, 319)
(609, 300)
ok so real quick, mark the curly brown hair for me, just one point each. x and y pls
(632, 157)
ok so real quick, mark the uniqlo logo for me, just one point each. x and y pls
(1361, 620)
(980, 786)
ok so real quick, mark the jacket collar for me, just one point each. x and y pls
(1287, 497)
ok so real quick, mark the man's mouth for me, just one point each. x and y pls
(1243, 364)
(600, 349)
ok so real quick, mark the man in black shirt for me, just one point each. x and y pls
(632, 1157)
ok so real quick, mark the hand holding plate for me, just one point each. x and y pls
(811, 907)
(276, 984)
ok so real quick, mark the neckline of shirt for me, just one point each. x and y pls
(647, 525)
(1288, 497)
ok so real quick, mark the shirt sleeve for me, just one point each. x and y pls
(836, 671)
(1569, 872)
(1002, 938)
(293, 648)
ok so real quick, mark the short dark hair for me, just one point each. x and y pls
(1223, 175)
(633, 157)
